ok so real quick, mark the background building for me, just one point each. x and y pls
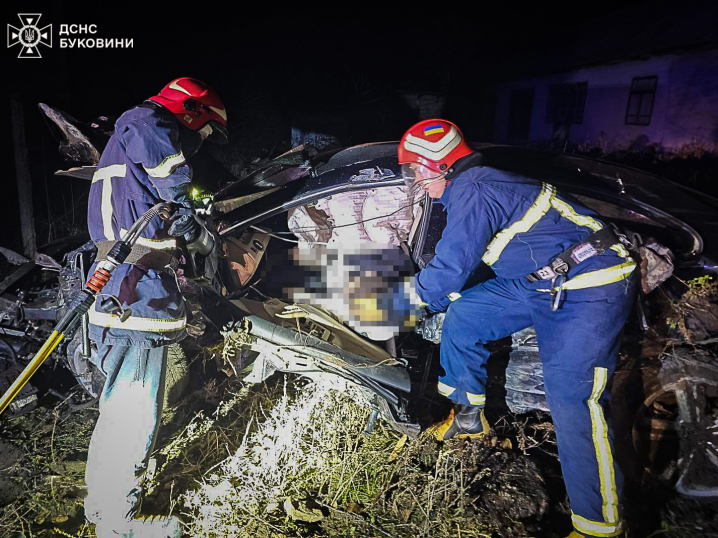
(595, 89)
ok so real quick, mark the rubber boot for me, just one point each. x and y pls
(464, 421)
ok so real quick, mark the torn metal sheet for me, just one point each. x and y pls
(225, 206)
(80, 172)
(74, 144)
(13, 257)
(47, 262)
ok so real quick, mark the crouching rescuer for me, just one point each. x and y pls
(141, 310)
(559, 268)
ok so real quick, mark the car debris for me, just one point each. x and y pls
(339, 197)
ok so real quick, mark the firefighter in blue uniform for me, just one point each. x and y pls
(558, 268)
(141, 310)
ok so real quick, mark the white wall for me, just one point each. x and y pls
(685, 108)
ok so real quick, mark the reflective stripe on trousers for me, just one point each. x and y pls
(579, 346)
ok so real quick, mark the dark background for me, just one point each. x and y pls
(274, 66)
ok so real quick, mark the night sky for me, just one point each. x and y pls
(274, 66)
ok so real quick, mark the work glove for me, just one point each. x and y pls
(431, 326)
(184, 223)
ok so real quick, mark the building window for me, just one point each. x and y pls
(566, 103)
(640, 101)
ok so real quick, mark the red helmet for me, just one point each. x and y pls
(436, 144)
(195, 105)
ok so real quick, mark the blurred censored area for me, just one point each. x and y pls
(352, 260)
(370, 286)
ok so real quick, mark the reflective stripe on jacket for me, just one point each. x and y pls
(142, 165)
(516, 225)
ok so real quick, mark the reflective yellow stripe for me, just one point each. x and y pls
(569, 213)
(134, 323)
(537, 210)
(544, 201)
(105, 175)
(601, 277)
(454, 296)
(159, 244)
(599, 430)
(167, 166)
(596, 528)
(620, 249)
(476, 399)
(444, 389)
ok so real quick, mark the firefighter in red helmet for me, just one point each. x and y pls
(145, 162)
(558, 268)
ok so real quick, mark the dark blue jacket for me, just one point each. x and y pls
(515, 225)
(142, 165)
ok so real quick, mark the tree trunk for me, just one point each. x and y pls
(22, 172)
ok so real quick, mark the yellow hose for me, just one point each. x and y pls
(47, 348)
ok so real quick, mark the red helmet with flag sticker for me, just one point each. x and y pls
(436, 144)
(196, 106)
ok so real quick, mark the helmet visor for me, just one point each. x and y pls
(219, 134)
(408, 173)
(417, 176)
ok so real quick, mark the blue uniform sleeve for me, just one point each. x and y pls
(459, 251)
(156, 147)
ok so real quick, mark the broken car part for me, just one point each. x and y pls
(84, 299)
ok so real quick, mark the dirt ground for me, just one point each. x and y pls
(293, 458)
(378, 484)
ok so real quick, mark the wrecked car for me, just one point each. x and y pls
(277, 314)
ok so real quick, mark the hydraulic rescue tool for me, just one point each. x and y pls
(85, 298)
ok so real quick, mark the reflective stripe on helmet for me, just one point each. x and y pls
(105, 175)
(134, 323)
(433, 151)
(167, 166)
(175, 86)
(220, 111)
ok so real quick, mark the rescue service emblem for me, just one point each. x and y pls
(29, 36)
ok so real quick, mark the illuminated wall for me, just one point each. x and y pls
(685, 105)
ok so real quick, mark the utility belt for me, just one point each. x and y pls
(141, 255)
(595, 244)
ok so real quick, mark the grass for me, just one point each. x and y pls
(49, 471)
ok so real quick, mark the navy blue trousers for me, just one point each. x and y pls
(579, 346)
